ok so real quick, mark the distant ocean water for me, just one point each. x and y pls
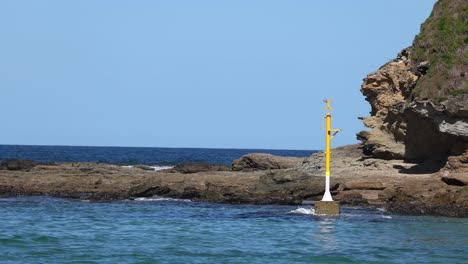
(135, 155)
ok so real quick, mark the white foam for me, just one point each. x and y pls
(160, 199)
(386, 216)
(302, 210)
(382, 209)
(155, 168)
(158, 168)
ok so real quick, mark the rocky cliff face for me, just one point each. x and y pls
(419, 100)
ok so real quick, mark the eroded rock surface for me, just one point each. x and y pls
(419, 101)
(194, 167)
(261, 161)
(18, 165)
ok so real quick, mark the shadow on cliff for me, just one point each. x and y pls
(428, 166)
(425, 144)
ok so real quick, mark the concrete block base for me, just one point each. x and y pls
(327, 208)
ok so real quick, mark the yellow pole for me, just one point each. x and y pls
(327, 145)
(328, 137)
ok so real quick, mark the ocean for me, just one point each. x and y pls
(136, 155)
(158, 230)
(50, 230)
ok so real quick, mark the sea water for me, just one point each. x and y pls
(50, 230)
(136, 155)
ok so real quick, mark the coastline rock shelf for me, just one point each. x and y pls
(357, 180)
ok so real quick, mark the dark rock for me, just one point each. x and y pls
(261, 161)
(364, 185)
(423, 67)
(452, 203)
(190, 193)
(456, 179)
(145, 191)
(9, 190)
(106, 196)
(353, 198)
(144, 167)
(290, 186)
(19, 165)
(403, 55)
(192, 167)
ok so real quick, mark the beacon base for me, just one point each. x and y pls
(327, 208)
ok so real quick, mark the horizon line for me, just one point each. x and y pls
(101, 146)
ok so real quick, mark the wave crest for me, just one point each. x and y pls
(302, 210)
(161, 199)
(155, 167)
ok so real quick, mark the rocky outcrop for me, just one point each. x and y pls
(416, 114)
(18, 165)
(356, 180)
(458, 163)
(456, 170)
(419, 113)
(194, 167)
(444, 201)
(261, 161)
(387, 91)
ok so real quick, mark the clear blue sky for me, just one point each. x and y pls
(225, 74)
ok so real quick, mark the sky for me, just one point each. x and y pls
(206, 73)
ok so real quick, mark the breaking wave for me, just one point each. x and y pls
(158, 168)
(302, 210)
(155, 168)
(160, 199)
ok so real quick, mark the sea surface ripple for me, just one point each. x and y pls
(50, 230)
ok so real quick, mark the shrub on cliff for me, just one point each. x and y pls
(442, 42)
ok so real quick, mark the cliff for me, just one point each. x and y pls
(419, 100)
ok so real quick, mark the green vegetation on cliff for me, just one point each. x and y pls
(442, 42)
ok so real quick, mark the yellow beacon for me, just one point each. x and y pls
(327, 205)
